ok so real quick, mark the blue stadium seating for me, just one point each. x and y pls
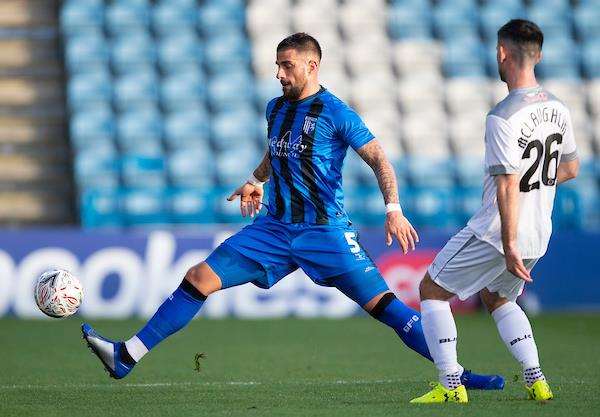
(170, 16)
(464, 57)
(179, 49)
(192, 205)
(97, 167)
(191, 168)
(145, 206)
(86, 51)
(92, 126)
(80, 15)
(143, 171)
(409, 19)
(188, 129)
(89, 89)
(132, 50)
(587, 21)
(140, 131)
(101, 207)
(136, 89)
(124, 16)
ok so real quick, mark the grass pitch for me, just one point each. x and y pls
(353, 367)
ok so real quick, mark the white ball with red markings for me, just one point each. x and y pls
(58, 293)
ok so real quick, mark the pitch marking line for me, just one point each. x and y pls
(193, 384)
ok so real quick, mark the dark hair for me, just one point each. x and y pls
(525, 35)
(300, 41)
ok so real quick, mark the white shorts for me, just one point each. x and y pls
(466, 265)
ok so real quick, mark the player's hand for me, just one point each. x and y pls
(514, 263)
(397, 226)
(250, 198)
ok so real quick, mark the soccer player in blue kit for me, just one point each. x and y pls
(309, 131)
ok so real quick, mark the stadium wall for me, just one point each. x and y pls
(129, 273)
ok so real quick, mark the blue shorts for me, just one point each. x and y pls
(267, 250)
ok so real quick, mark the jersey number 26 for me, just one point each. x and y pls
(543, 151)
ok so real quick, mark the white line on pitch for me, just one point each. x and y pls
(191, 384)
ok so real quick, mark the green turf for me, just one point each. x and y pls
(353, 367)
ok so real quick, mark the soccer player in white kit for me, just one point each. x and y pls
(529, 150)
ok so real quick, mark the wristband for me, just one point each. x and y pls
(389, 207)
(255, 181)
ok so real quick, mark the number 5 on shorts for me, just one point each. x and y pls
(351, 239)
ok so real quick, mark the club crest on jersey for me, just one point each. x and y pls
(310, 123)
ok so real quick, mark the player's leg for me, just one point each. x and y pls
(225, 267)
(336, 250)
(463, 267)
(515, 330)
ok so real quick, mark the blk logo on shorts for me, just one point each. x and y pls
(448, 340)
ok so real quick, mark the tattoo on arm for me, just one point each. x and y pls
(372, 153)
(263, 171)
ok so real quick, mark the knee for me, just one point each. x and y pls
(429, 290)
(203, 278)
(492, 300)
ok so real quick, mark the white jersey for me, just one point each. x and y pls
(528, 133)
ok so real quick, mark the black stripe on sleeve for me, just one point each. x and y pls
(297, 204)
(307, 163)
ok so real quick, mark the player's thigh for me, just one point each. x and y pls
(323, 252)
(259, 253)
(508, 286)
(333, 256)
(466, 265)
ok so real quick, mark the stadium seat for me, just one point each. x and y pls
(145, 206)
(132, 50)
(432, 207)
(214, 16)
(91, 89)
(467, 201)
(123, 16)
(136, 89)
(188, 129)
(494, 14)
(191, 168)
(561, 58)
(84, 51)
(468, 94)
(96, 167)
(91, 126)
(232, 167)
(79, 15)
(183, 89)
(144, 171)
(225, 52)
(591, 58)
(453, 20)
(554, 20)
(228, 90)
(464, 57)
(179, 49)
(234, 129)
(410, 20)
(100, 207)
(429, 171)
(191, 205)
(587, 21)
(140, 131)
(169, 17)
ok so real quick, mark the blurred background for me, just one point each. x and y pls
(125, 123)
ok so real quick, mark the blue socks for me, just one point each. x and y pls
(173, 314)
(405, 321)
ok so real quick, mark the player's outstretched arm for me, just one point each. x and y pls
(251, 192)
(567, 171)
(396, 225)
(508, 206)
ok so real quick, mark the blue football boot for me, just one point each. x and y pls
(114, 356)
(483, 382)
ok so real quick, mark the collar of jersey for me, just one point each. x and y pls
(321, 90)
(524, 89)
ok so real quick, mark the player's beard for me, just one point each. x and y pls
(501, 73)
(291, 92)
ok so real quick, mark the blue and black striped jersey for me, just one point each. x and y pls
(308, 140)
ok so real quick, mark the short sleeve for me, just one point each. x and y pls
(502, 152)
(352, 129)
(569, 148)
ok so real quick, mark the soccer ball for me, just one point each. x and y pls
(58, 293)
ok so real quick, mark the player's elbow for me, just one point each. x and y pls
(573, 170)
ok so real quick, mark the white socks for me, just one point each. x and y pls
(136, 348)
(515, 331)
(440, 333)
